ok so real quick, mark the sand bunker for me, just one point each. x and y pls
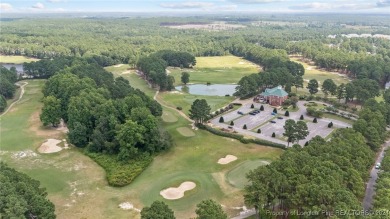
(117, 66)
(126, 72)
(50, 146)
(185, 131)
(128, 206)
(229, 158)
(176, 193)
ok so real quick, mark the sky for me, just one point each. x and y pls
(198, 6)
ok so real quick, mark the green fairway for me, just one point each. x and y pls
(16, 59)
(168, 117)
(185, 131)
(216, 70)
(185, 100)
(237, 176)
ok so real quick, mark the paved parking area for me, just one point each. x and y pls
(267, 128)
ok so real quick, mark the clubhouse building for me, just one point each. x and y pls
(274, 96)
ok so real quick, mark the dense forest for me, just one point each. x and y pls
(105, 115)
(22, 197)
(7, 86)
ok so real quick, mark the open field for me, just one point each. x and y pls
(185, 100)
(78, 187)
(311, 72)
(217, 70)
(16, 59)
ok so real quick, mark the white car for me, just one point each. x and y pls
(378, 165)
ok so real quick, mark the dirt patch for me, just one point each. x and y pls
(47, 132)
(173, 193)
(24, 154)
(128, 206)
(50, 146)
(185, 131)
(229, 158)
(126, 72)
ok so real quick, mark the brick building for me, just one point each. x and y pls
(274, 96)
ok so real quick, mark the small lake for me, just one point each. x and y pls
(209, 90)
(19, 67)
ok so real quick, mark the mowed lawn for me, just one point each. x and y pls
(16, 59)
(216, 70)
(185, 100)
(311, 72)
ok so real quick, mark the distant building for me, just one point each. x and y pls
(274, 96)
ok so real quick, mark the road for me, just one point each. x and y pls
(370, 188)
(20, 97)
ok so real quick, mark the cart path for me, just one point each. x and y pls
(20, 97)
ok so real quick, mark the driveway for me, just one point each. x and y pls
(370, 188)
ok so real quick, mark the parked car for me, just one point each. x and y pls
(280, 117)
(272, 121)
(378, 165)
(239, 112)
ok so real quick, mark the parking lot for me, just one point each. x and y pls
(263, 120)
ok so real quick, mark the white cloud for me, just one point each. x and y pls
(383, 3)
(226, 8)
(255, 1)
(54, 1)
(312, 5)
(333, 6)
(5, 6)
(38, 6)
(187, 5)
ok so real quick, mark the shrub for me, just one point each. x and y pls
(221, 120)
(252, 106)
(244, 127)
(318, 98)
(307, 143)
(179, 108)
(287, 113)
(240, 137)
(315, 120)
(330, 125)
(273, 134)
(261, 108)
(301, 118)
(231, 123)
(237, 104)
(313, 112)
(275, 110)
(259, 131)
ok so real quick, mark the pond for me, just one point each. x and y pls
(19, 67)
(209, 90)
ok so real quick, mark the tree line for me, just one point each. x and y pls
(103, 114)
(154, 67)
(22, 196)
(7, 85)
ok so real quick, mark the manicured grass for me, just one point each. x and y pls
(168, 117)
(185, 100)
(16, 59)
(185, 131)
(216, 70)
(336, 117)
(237, 176)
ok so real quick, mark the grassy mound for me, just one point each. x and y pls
(168, 117)
(185, 131)
(236, 176)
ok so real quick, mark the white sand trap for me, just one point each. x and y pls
(176, 193)
(128, 206)
(229, 158)
(50, 146)
(241, 63)
(117, 66)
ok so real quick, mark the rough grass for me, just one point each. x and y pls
(216, 70)
(185, 100)
(16, 59)
(237, 176)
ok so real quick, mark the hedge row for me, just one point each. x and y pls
(120, 173)
(241, 138)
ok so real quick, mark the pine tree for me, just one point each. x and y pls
(252, 106)
(301, 118)
(275, 110)
(287, 113)
(261, 108)
(231, 123)
(273, 135)
(221, 120)
(259, 131)
(244, 127)
(315, 120)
